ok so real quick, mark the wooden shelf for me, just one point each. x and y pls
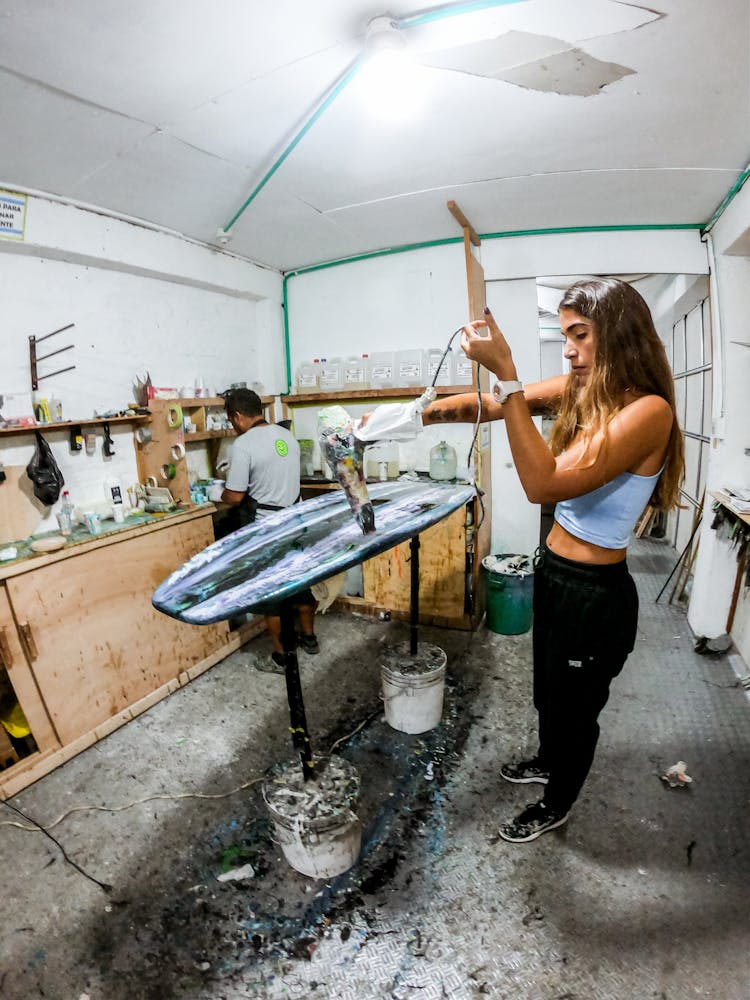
(64, 424)
(206, 435)
(407, 392)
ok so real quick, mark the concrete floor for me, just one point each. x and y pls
(644, 894)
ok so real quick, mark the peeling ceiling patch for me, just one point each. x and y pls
(573, 73)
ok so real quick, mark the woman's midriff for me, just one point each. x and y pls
(562, 543)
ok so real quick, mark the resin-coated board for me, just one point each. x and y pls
(291, 549)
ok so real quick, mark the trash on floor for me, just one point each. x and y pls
(676, 776)
(235, 874)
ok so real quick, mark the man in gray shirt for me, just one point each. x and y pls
(264, 476)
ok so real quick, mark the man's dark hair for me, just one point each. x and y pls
(243, 401)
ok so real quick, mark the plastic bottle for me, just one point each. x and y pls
(445, 375)
(442, 462)
(65, 514)
(410, 368)
(331, 376)
(463, 372)
(113, 491)
(355, 372)
(307, 376)
(382, 370)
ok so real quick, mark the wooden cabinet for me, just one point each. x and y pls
(82, 645)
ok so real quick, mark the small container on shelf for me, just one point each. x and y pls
(306, 378)
(445, 372)
(355, 372)
(382, 370)
(463, 370)
(410, 368)
(382, 461)
(331, 375)
(442, 462)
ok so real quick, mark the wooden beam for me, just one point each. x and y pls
(461, 219)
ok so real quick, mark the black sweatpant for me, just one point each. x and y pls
(585, 620)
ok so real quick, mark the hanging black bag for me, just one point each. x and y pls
(42, 470)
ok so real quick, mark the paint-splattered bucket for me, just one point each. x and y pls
(313, 821)
(413, 687)
(510, 593)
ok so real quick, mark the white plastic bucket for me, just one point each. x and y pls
(321, 846)
(413, 687)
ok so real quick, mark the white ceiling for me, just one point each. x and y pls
(172, 111)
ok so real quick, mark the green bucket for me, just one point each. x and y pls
(509, 597)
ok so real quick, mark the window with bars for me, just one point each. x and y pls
(690, 357)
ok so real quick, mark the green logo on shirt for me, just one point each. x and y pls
(282, 448)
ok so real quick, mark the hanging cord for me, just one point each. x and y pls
(480, 493)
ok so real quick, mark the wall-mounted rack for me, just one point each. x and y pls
(34, 358)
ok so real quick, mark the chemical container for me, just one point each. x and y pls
(463, 370)
(306, 377)
(410, 368)
(445, 375)
(510, 593)
(381, 461)
(442, 462)
(306, 451)
(355, 372)
(331, 375)
(382, 370)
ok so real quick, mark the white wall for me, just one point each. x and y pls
(141, 300)
(408, 300)
(716, 564)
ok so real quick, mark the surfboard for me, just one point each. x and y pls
(283, 553)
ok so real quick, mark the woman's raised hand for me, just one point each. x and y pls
(491, 351)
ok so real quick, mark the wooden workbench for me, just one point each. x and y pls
(82, 645)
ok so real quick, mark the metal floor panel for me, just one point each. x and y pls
(643, 895)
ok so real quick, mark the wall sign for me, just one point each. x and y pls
(12, 215)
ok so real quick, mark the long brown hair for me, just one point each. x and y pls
(629, 355)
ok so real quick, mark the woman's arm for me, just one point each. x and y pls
(542, 398)
(638, 431)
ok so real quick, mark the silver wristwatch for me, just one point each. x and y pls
(501, 390)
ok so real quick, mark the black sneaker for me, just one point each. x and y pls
(308, 644)
(532, 823)
(525, 772)
(273, 665)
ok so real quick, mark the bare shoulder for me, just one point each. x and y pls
(648, 408)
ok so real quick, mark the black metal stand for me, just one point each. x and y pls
(297, 720)
(414, 609)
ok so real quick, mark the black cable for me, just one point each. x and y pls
(102, 885)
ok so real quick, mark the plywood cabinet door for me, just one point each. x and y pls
(95, 643)
(442, 572)
(13, 660)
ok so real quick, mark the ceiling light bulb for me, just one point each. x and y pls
(383, 36)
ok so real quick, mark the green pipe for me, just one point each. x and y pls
(287, 345)
(333, 93)
(729, 197)
(451, 10)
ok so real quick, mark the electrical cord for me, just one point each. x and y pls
(480, 493)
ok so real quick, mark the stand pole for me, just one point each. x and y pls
(297, 721)
(414, 617)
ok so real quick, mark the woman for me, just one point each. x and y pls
(615, 447)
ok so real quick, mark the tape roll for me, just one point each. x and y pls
(174, 416)
(143, 435)
(168, 470)
(177, 451)
(151, 481)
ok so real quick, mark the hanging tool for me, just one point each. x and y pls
(34, 359)
(108, 447)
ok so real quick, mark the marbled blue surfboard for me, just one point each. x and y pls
(292, 549)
